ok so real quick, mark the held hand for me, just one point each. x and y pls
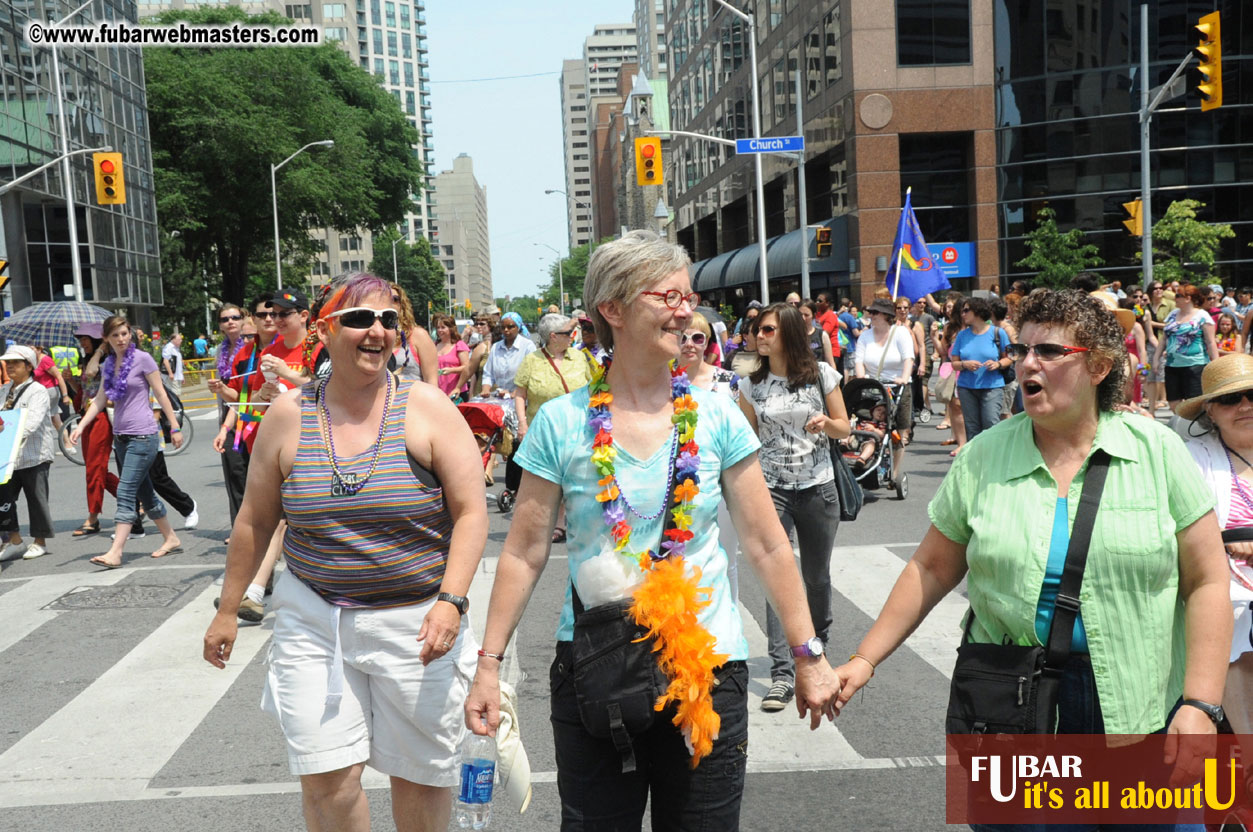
(817, 690)
(1189, 739)
(215, 386)
(483, 703)
(219, 640)
(991, 364)
(177, 438)
(219, 442)
(816, 423)
(853, 677)
(521, 431)
(439, 631)
(268, 391)
(1242, 550)
(75, 435)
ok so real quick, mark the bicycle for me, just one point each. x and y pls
(185, 423)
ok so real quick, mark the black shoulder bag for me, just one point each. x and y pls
(1010, 689)
(617, 680)
(1007, 373)
(851, 496)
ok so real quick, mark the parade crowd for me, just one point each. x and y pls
(666, 448)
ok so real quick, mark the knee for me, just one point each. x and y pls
(332, 791)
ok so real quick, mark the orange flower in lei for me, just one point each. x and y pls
(670, 598)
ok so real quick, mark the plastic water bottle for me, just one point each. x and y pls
(473, 808)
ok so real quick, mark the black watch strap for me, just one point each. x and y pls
(1214, 712)
(461, 602)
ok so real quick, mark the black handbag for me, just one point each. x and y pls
(1012, 689)
(851, 496)
(1007, 373)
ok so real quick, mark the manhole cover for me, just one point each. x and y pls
(131, 596)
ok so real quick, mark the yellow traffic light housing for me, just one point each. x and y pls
(110, 181)
(1210, 54)
(822, 238)
(1135, 212)
(648, 161)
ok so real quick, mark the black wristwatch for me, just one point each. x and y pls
(461, 602)
(1214, 712)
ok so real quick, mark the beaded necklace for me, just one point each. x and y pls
(347, 485)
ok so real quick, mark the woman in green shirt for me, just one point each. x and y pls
(1002, 518)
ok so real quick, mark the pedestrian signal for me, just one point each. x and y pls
(1210, 54)
(648, 161)
(1135, 221)
(822, 237)
(110, 182)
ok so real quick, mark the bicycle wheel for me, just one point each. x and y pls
(73, 453)
(189, 430)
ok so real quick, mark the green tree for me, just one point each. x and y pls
(1057, 257)
(1184, 247)
(415, 268)
(524, 305)
(220, 117)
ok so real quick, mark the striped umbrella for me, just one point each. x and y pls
(50, 324)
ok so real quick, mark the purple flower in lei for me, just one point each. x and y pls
(613, 513)
(115, 383)
(601, 420)
(226, 361)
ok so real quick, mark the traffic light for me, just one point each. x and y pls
(4, 281)
(110, 182)
(1135, 212)
(822, 235)
(648, 161)
(1210, 54)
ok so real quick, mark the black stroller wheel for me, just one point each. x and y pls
(504, 501)
(924, 415)
(902, 486)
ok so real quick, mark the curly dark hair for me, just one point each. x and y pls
(1094, 326)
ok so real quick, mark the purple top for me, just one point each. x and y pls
(133, 414)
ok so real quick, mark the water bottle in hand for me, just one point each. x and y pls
(473, 807)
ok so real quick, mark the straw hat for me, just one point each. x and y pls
(1126, 317)
(1229, 374)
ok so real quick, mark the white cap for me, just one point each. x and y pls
(514, 767)
(20, 353)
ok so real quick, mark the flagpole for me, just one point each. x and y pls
(897, 287)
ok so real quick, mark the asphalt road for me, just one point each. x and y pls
(109, 718)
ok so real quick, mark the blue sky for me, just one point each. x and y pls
(511, 128)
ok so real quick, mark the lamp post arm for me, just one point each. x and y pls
(56, 161)
(728, 142)
(71, 14)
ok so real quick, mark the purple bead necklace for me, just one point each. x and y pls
(347, 485)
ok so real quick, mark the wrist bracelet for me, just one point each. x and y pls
(500, 657)
(864, 659)
(176, 430)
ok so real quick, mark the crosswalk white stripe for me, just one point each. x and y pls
(115, 736)
(207, 416)
(865, 575)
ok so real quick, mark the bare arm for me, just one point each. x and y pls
(158, 392)
(746, 407)
(428, 361)
(1211, 344)
(1203, 585)
(519, 405)
(827, 354)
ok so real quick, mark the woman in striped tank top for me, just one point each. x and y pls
(370, 656)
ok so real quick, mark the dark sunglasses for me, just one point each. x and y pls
(227, 318)
(566, 332)
(286, 313)
(363, 317)
(265, 316)
(1044, 352)
(1233, 398)
(767, 329)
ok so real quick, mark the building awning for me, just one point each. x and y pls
(740, 266)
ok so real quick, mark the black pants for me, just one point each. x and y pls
(235, 473)
(33, 482)
(597, 797)
(513, 472)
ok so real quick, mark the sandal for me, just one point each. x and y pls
(943, 426)
(954, 452)
(86, 529)
(949, 442)
(559, 535)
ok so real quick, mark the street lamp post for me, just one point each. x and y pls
(278, 257)
(561, 281)
(591, 246)
(395, 271)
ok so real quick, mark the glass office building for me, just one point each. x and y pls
(105, 104)
(1067, 100)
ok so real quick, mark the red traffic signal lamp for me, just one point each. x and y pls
(110, 180)
(648, 161)
(1210, 54)
(822, 237)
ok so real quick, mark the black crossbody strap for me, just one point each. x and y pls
(1066, 608)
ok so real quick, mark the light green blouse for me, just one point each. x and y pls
(541, 381)
(998, 501)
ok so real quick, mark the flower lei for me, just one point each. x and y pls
(226, 360)
(115, 383)
(668, 600)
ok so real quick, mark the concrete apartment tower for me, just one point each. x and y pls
(582, 81)
(464, 247)
(650, 39)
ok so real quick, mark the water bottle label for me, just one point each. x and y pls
(476, 782)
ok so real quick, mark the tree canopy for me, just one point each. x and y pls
(220, 117)
(1184, 247)
(1057, 257)
(573, 272)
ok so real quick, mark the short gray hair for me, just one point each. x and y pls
(619, 270)
(550, 323)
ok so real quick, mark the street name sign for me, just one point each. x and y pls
(774, 144)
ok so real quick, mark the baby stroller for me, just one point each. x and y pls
(487, 421)
(862, 397)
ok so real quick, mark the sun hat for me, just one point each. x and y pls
(883, 306)
(20, 353)
(93, 329)
(1228, 374)
(1126, 317)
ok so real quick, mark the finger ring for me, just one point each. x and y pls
(447, 644)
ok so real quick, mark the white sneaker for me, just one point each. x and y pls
(131, 536)
(33, 551)
(192, 520)
(12, 551)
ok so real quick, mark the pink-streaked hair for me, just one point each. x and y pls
(344, 292)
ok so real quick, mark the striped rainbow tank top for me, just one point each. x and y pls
(385, 546)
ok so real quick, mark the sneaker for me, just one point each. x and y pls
(777, 698)
(33, 551)
(134, 535)
(12, 551)
(250, 610)
(192, 520)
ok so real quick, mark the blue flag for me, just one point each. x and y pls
(920, 272)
